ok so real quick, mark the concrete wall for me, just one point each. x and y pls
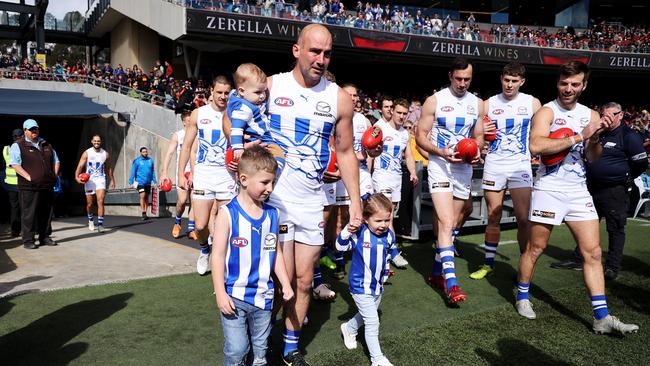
(134, 44)
(165, 18)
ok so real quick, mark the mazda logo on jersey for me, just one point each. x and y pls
(522, 110)
(323, 107)
(497, 111)
(283, 102)
(559, 122)
(239, 242)
(470, 110)
(269, 242)
(447, 108)
(204, 121)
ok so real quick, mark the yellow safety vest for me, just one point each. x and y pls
(10, 173)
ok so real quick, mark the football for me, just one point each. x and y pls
(84, 177)
(492, 135)
(331, 166)
(229, 155)
(467, 149)
(554, 159)
(372, 138)
(166, 185)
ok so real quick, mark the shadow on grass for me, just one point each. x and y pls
(8, 286)
(515, 352)
(636, 298)
(44, 341)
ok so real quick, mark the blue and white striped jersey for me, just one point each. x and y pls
(212, 142)
(455, 117)
(250, 256)
(389, 163)
(95, 163)
(512, 119)
(246, 118)
(370, 254)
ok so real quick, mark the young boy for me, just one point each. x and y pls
(246, 112)
(245, 256)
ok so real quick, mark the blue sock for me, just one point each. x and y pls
(599, 305)
(291, 338)
(490, 252)
(522, 290)
(205, 248)
(318, 277)
(190, 225)
(448, 269)
(340, 261)
(90, 217)
(100, 220)
(177, 220)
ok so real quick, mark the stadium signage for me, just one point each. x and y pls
(238, 25)
(625, 61)
(455, 48)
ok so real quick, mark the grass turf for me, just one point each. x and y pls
(174, 320)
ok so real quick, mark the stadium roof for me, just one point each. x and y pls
(17, 102)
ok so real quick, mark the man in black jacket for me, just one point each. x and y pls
(37, 166)
(618, 159)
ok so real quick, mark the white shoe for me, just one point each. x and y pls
(611, 323)
(323, 292)
(100, 228)
(91, 225)
(203, 263)
(383, 362)
(349, 339)
(525, 309)
(399, 261)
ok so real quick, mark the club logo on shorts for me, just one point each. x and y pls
(544, 214)
(283, 102)
(470, 110)
(440, 185)
(205, 121)
(283, 229)
(560, 121)
(321, 224)
(522, 111)
(489, 183)
(447, 108)
(239, 242)
(269, 242)
(497, 111)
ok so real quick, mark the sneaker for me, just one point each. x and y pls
(567, 264)
(383, 362)
(294, 358)
(100, 228)
(482, 272)
(610, 274)
(437, 281)
(145, 217)
(176, 231)
(340, 274)
(326, 261)
(611, 323)
(349, 339)
(525, 309)
(455, 294)
(203, 263)
(91, 226)
(399, 261)
(323, 292)
(193, 235)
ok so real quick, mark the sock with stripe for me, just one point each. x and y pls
(339, 260)
(90, 217)
(448, 269)
(100, 220)
(318, 277)
(190, 225)
(599, 305)
(490, 252)
(522, 290)
(291, 338)
(205, 248)
(177, 220)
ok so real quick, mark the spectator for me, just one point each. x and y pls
(10, 185)
(37, 166)
(142, 177)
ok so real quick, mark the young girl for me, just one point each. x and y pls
(372, 246)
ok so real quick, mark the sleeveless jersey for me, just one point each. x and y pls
(512, 119)
(180, 136)
(369, 268)
(302, 120)
(570, 174)
(360, 124)
(95, 163)
(395, 142)
(212, 142)
(250, 255)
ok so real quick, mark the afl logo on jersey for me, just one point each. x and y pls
(204, 121)
(559, 121)
(388, 138)
(283, 102)
(447, 108)
(497, 111)
(239, 242)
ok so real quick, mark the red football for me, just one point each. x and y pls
(372, 138)
(187, 175)
(467, 149)
(331, 166)
(553, 159)
(166, 185)
(229, 155)
(84, 177)
(492, 135)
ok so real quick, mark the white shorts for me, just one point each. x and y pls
(342, 196)
(365, 183)
(388, 184)
(448, 177)
(213, 183)
(550, 207)
(93, 185)
(302, 222)
(498, 176)
(329, 198)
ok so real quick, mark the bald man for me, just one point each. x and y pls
(304, 110)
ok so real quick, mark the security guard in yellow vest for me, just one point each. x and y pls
(10, 184)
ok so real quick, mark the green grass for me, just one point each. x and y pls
(174, 320)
